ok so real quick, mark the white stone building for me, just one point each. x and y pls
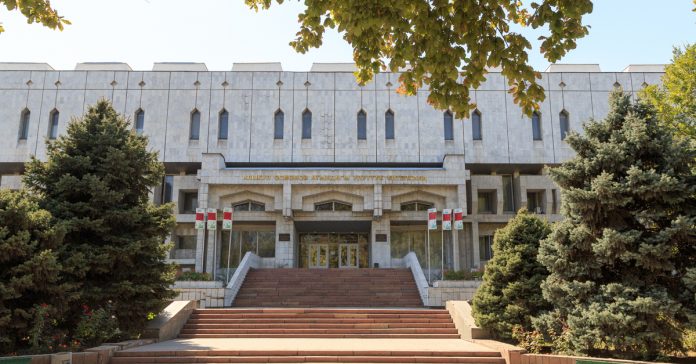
(321, 172)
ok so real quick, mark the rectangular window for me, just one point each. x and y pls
(449, 126)
(362, 125)
(486, 202)
(508, 194)
(184, 247)
(535, 201)
(261, 243)
(485, 247)
(223, 125)
(168, 188)
(476, 126)
(554, 197)
(190, 202)
(536, 126)
(306, 125)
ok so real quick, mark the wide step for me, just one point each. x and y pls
(320, 323)
(299, 287)
(223, 356)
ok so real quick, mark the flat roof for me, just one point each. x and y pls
(102, 66)
(180, 66)
(257, 67)
(560, 67)
(25, 66)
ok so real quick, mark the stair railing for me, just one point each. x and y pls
(249, 261)
(411, 261)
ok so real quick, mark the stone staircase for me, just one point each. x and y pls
(320, 323)
(307, 356)
(301, 287)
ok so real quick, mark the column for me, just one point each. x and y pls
(381, 249)
(285, 243)
(202, 264)
(475, 245)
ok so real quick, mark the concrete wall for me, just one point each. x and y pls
(251, 98)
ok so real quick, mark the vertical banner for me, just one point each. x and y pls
(227, 218)
(212, 219)
(447, 219)
(200, 219)
(458, 219)
(432, 219)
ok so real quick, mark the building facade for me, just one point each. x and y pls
(320, 171)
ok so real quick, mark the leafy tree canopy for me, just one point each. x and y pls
(446, 45)
(36, 11)
(675, 99)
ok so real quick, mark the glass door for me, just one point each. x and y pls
(348, 256)
(318, 255)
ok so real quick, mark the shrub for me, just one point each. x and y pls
(462, 275)
(194, 276)
(511, 292)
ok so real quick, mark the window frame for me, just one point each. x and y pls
(139, 122)
(24, 119)
(333, 206)
(53, 122)
(278, 125)
(564, 123)
(195, 121)
(226, 114)
(389, 125)
(485, 248)
(536, 126)
(306, 124)
(476, 123)
(448, 125)
(362, 125)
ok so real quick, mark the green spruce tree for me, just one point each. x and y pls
(31, 281)
(623, 261)
(511, 294)
(96, 180)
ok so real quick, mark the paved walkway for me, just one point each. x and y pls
(310, 344)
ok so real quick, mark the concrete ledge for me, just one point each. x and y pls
(565, 359)
(464, 321)
(168, 323)
(104, 353)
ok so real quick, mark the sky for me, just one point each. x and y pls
(221, 32)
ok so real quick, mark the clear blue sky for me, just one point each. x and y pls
(220, 32)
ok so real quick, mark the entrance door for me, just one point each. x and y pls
(348, 256)
(318, 255)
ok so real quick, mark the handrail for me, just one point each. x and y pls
(421, 283)
(249, 261)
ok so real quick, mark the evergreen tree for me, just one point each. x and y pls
(510, 294)
(96, 180)
(31, 283)
(622, 264)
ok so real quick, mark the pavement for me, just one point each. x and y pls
(316, 344)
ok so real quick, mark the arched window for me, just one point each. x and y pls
(389, 124)
(449, 125)
(24, 124)
(249, 206)
(564, 123)
(53, 118)
(416, 206)
(333, 206)
(278, 124)
(195, 130)
(362, 125)
(536, 125)
(476, 125)
(139, 121)
(306, 124)
(223, 124)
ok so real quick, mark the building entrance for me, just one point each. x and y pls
(333, 250)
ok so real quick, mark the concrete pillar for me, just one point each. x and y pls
(455, 249)
(475, 245)
(285, 243)
(201, 252)
(381, 250)
(377, 212)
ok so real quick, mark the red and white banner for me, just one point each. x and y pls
(458, 219)
(432, 219)
(200, 219)
(227, 218)
(212, 219)
(447, 219)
